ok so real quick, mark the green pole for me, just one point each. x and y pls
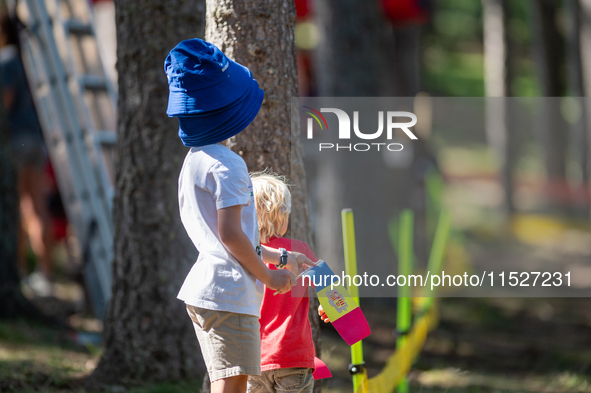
(438, 251)
(435, 188)
(404, 309)
(351, 270)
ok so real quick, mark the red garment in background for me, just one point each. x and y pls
(406, 11)
(303, 9)
(59, 221)
(286, 335)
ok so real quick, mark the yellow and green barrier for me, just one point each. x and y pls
(412, 335)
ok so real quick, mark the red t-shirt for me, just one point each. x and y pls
(286, 335)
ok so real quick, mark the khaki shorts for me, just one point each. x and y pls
(282, 380)
(230, 342)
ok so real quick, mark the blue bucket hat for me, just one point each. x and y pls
(208, 129)
(214, 97)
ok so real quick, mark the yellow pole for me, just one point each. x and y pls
(351, 270)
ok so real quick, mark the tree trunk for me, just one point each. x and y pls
(497, 84)
(584, 7)
(400, 60)
(585, 53)
(260, 35)
(348, 56)
(356, 57)
(549, 52)
(148, 334)
(576, 83)
(347, 61)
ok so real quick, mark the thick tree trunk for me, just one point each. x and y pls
(260, 35)
(348, 64)
(348, 56)
(356, 57)
(148, 334)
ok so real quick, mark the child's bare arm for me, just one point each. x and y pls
(236, 241)
(271, 256)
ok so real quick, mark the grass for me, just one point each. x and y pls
(480, 345)
(33, 357)
(37, 359)
(455, 380)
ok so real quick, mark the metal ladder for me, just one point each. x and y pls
(76, 105)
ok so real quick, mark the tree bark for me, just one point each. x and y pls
(148, 334)
(260, 35)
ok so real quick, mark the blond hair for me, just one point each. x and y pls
(272, 201)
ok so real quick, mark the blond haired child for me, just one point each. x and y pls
(287, 349)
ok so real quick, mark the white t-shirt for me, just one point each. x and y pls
(214, 177)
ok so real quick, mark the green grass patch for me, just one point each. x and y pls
(34, 358)
(169, 387)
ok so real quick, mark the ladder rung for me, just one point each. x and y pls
(93, 82)
(77, 27)
(105, 137)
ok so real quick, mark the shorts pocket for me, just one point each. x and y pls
(253, 386)
(291, 379)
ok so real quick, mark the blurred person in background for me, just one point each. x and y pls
(30, 158)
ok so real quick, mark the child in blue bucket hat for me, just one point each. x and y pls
(215, 98)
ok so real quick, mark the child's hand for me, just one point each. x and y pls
(323, 315)
(281, 280)
(298, 262)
